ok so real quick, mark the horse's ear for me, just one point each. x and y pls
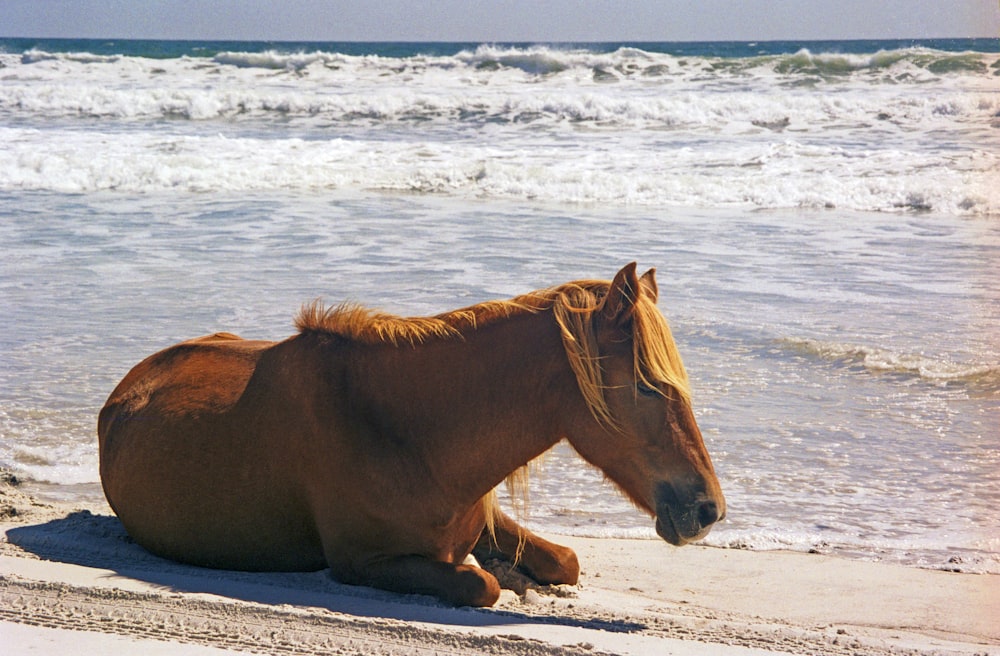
(648, 280)
(619, 304)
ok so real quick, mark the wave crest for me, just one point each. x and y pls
(878, 360)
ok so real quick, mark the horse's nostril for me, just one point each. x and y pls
(708, 513)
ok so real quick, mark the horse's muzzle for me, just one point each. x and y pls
(682, 518)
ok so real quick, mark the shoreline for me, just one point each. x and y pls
(71, 579)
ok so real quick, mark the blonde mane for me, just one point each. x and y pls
(655, 355)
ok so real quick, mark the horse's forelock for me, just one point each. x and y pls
(655, 355)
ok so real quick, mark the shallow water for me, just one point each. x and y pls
(849, 405)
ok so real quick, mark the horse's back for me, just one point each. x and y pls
(184, 468)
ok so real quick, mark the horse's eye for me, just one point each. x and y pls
(647, 390)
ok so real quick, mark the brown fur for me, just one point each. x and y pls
(371, 444)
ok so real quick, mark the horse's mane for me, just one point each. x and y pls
(367, 326)
(656, 357)
(655, 354)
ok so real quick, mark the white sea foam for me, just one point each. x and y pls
(336, 88)
(753, 174)
(511, 123)
(877, 359)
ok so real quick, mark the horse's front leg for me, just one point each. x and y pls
(460, 585)
(546, 562)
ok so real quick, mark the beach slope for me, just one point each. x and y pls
(71, 580)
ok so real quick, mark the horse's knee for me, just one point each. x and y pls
(546, 562)
(553, 564)
(569, 566)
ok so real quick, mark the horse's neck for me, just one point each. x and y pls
(480, 407)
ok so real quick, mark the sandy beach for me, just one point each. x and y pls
(71, 580)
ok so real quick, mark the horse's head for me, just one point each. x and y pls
(641, 430)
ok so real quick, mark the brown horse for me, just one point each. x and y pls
(370, 444)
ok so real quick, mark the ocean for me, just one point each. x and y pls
(824, 219)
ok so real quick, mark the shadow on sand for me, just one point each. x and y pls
(100, 542)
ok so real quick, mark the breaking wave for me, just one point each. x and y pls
(897, 130)
(916, 365)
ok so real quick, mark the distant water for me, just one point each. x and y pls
(824, 218)
(159, 49)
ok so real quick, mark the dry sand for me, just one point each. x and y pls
(72, 582)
